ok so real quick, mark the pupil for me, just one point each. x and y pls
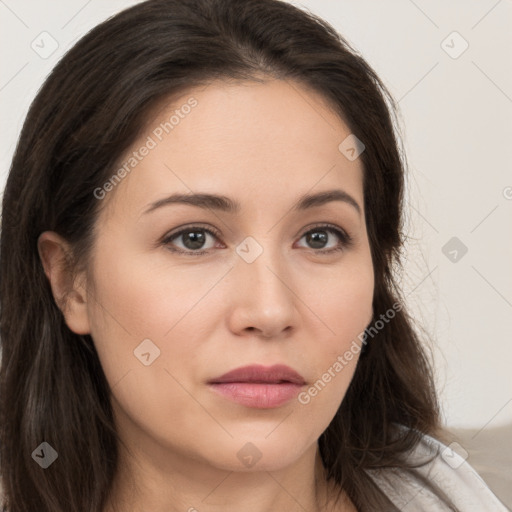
(318, 237)
(196, 239)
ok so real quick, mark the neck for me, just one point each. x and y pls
(152, 479)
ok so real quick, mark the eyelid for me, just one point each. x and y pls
(347, 241)
(168, 237)
(345, 238)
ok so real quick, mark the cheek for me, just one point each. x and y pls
(343, 301)
(135, 302)
(146, 296)
(344, 306)
(138, 298)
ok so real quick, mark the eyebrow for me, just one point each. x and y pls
(225, 204)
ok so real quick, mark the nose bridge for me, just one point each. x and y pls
(263, 265)
(266, 302)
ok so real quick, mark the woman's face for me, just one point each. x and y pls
(263, 284)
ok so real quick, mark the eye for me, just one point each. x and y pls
(318, 238)
(192, 239)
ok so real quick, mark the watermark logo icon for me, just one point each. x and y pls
(45, 45)
(249, 249)
(45, 455)
(454, 455)
(351, 147)
(454, 249)
(454, 45)
(249, 455)
(146, 352)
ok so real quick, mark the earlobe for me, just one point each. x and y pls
(69, 293)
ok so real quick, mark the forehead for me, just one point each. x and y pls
(247, 139)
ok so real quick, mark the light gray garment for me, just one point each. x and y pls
(448, 478)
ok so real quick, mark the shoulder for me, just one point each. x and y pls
(445, 483)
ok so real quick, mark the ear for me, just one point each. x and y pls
(70, 294)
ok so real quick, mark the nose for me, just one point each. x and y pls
(262, 299)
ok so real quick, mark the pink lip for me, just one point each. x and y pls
(260, 387)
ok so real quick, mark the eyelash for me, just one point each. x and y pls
(346, 239)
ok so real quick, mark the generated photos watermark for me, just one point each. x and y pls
(343, 360)
(157, 135)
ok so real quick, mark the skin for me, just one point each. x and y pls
(264, 145)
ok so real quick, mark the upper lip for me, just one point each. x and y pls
(263, 374)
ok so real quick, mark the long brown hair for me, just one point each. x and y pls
(88, 112)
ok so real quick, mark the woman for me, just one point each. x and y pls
(199, 233)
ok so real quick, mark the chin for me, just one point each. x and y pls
(258, 453)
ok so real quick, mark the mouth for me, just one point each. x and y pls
(259, 387)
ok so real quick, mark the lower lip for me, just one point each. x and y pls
(258, 395)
